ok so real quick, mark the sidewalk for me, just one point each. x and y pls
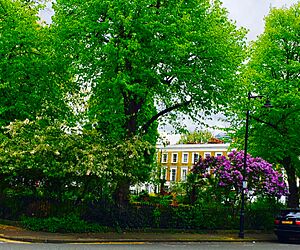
(18, 234)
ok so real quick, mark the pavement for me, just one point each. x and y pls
(18, 234)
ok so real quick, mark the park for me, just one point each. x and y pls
(83, 99)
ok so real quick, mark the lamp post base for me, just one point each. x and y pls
(241, 235)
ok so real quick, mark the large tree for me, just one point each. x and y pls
(143, 60)
(273, 72)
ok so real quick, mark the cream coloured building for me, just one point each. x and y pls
(176, 160)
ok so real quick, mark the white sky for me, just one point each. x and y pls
(250, 13)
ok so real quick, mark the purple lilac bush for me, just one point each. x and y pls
(227, 173)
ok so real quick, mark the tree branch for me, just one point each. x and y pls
(264, 122)
(284, 117)
(274, 126)
(146, 126)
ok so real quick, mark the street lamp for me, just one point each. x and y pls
(244, 182)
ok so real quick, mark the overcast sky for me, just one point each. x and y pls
(250, 13)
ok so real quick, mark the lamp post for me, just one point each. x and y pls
(244, 182)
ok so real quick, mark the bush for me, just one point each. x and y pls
(261, 213)
(98, 217)
(67, 224)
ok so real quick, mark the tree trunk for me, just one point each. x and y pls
(293, 197)
(193, 196)
(121, 195)
(131, 108)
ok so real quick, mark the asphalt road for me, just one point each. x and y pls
(154, 246)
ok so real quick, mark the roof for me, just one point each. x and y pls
(194, 147)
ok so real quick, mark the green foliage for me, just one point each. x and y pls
(261, 213)
(29, 79)
(41, 160)
(156, 217)
(201, 216)
(146, 60)
(274, 66)
(136, 67)
(195, 137)
(114, 68)
(67, 224)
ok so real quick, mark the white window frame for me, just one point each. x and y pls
(163, 160)
(187, 158)
(193, 157)
(171, 170)
(182, 176)
(173, 154)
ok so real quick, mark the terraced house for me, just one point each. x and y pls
(177, 160)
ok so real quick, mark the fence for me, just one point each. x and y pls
(141, 216)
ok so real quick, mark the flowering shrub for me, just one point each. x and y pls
(227, 174)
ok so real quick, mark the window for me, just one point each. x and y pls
(185, 157)
(218, 154)
(173, 174)
(164, 158)
(184, 172)
(195, 157)
(174, 157)
(207, 154)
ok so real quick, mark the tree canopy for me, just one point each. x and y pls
(148, 59)
(144, 60)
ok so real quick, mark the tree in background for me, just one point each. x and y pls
(273, 72)
(145, 60)
(195, 137)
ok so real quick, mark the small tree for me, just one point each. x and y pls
(39, 158)
(224, 177)
(195, 137)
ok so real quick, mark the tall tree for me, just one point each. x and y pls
(273, 72)
(148, 59)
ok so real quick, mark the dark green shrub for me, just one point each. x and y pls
(261, 213)
(67, 224)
